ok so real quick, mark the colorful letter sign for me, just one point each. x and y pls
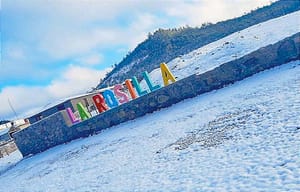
(72, 116)
(130, 88)
(112, 98)
(123, 98)
(100, 103)
(84, 114)
(149, 82)
(138, 87)
(166, 74)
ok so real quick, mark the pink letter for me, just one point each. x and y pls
(72, 116)
(123, 98)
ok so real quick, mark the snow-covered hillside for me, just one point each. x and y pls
(245, 137)
(231, 47)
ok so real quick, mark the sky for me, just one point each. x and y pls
(59, 48)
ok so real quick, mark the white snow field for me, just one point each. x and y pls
(244, 137)
(231, 47)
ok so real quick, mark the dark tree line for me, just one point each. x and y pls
(166, 44)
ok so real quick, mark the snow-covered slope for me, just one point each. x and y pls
(231, 47)
(245, 137)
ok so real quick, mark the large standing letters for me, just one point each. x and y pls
(166, 74)
(138, 87)
(84, 114)
(72, 116)
(110, 98)
(100, 103)
(123, 98)
(149, 82)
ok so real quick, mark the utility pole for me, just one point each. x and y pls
(12, 108)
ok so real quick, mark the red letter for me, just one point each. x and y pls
(100, 103)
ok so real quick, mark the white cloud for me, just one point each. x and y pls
(16, 52)
(64, 30)
(13, 53)
(140, 27)
(194, 13)
(21, 98)
(75, 80)
(90, 60)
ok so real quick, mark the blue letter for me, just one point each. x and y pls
(110, 98)
(149, 82)
(138, 87)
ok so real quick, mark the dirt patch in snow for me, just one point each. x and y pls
(218, 131)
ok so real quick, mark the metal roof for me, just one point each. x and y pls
(60, 101)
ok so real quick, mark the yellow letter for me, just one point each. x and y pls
(166, 74)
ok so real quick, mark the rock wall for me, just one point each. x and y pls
(56, 130)
(5, 137)
(7, 148)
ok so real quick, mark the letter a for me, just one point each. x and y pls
(83, 112)
(166, 74)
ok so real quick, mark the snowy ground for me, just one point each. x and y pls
(245, 137)
(231, 47)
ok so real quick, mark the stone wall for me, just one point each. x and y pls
(7, 148)
(4, 137)
(55, 130)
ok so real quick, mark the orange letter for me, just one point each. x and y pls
(130, 88)
(138, 87)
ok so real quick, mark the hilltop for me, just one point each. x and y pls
(165, 45)
(231, 47)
